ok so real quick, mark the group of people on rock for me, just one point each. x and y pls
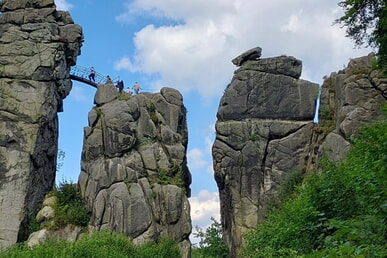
(119, 84)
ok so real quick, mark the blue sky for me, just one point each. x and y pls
(189, 45)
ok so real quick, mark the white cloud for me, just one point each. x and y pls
(63, 5)
(197, 157)
(125, 63)
(193, 52)
(204, 206)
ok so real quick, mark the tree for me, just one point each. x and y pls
(211, 243)
(366, 22)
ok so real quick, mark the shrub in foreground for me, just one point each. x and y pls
(341, 212)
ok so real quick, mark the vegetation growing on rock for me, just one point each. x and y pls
(69, 208)
(341, 211)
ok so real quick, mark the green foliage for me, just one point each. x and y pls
(326, 119)
(340, 212)
(98, 111)
(163, 177)
(286, 230)
(211, 243)
(177, 172)
(148, 139)
(100, 244)
(152, 113)
(69, 208)
(366, 23)
(123, 96)
(289, 185)
(154, 118)
(173, 175)
(152, 108)
(254, 137)
(33, 225)
(165, 248)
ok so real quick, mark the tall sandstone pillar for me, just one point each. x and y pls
(38, 44)
(134, 176)
(265, 121)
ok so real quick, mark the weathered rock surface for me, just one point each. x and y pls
(38, 44)
(134, 176)
(265, 131)
(262, 133)
(350, 99)
(46, 219)
(252, 54)
(69, 233)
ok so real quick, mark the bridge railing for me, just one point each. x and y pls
(84, 72)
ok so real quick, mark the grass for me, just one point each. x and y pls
(100, 244)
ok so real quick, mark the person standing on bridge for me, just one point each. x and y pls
(120, 85)
(92, 74)
(108, 80)
(136, 88)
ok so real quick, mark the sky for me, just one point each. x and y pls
(188, 45)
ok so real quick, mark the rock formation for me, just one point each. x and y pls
(350, 99)
(265, 121)
(38, 44)
(265, 130)
(134, 175)
(46, 218)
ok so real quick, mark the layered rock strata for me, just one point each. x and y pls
(38, 44)
(134, 177)
(264, 126)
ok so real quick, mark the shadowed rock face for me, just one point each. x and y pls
(262, 133)
(37, 47)
(134, 175)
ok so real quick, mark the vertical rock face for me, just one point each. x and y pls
(134, 175)
(350, 99)
(37, 47)
(262, 133)
(265, 130)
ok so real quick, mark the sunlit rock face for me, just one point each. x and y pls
(135, 178)
(265, 121)
(350, 98)
(265, 131)
(38, 44)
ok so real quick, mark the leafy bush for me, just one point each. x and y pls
(165, 248)
(288, 188)
(211, 243)
(100, 244)
(69, 208)
(340, 212)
